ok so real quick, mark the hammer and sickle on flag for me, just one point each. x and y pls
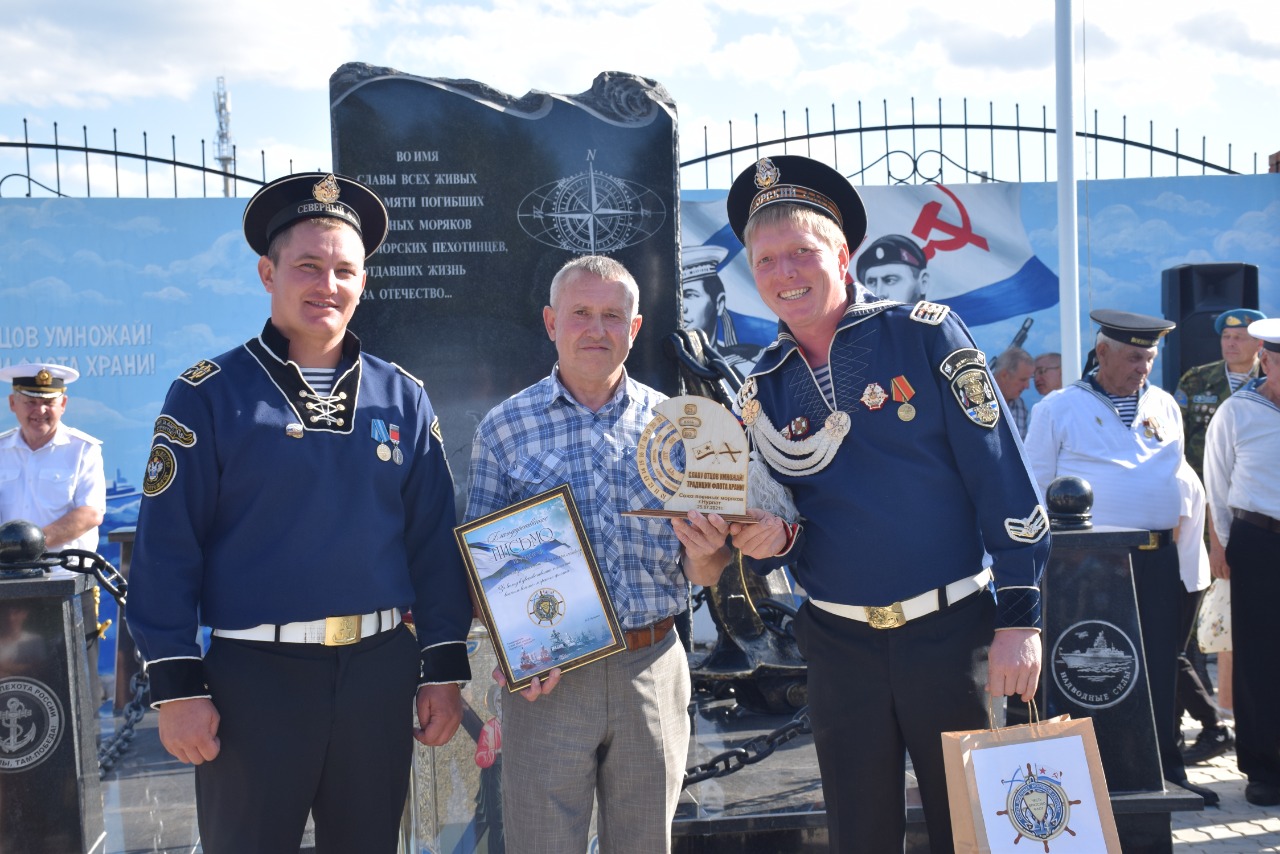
(961, 235)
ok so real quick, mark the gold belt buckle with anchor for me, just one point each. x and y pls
(340, 631)
(886, 618)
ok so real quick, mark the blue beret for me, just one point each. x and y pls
(1237, 318)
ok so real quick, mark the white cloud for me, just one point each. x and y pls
(1178, 203)
(1252, 234)
(53, 291)
(168, 294)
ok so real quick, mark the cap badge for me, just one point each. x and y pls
(326, 191)
(1232, 320)
(44, 378)
(766, 173)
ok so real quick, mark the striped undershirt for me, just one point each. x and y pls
(1236, 380)
(320, 379)
(1126, 407)
(823, 376)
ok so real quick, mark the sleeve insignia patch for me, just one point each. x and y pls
(175, 431)
(931, 313)
(961, 359)
(1029, 530)
(161, 468)
(199, 372)
(435, 431)
(971, 385)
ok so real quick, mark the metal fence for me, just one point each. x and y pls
(35, 169)
(949, 147)
(941, 148)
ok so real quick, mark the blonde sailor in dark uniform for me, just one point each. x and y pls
(882, 420)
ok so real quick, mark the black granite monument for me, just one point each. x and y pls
(1094, 664)
(488, 196)
(50, 799)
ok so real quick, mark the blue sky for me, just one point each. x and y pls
(152, 66)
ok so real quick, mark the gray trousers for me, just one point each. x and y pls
(617, 728)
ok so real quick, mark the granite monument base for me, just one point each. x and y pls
(1094, 665)
(50, 798)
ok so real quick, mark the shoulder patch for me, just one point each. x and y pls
(435, 430)
(1180, 397)
(175, 431)
(971, 385)
(162, 466)
(417, 381)
(931, 313)
(199, 372)
(1029, 530)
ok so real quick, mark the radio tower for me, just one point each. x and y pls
(225, 156)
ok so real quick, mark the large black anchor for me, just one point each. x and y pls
(755, 659)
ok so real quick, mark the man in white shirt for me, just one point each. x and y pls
(1241, 449)
(51, 475)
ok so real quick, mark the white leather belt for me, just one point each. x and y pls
(899, 613)
(331, 631)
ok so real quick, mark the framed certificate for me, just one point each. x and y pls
(538, 586)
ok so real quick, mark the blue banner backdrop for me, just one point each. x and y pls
(131, 292)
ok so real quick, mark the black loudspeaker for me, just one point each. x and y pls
(1192, 296)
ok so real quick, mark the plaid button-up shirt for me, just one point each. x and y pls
(542, 438)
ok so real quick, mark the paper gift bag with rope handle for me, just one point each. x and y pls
(1029, 788)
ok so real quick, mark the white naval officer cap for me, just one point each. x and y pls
(39, 379)
(1268, 332)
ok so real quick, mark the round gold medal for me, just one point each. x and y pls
(384, 453)
(906, 412)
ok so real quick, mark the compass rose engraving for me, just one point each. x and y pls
(591, 212)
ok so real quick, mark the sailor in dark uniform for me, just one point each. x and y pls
(297, 501)
(920, 535)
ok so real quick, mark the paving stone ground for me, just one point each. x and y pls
(1234, 827)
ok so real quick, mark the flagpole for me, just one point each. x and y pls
(1068, 252)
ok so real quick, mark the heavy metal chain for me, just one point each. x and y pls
(750, 752)
(113, 748)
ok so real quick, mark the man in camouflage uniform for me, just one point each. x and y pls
(1203, 388)
(1200, 392)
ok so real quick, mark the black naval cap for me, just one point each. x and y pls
(791, 179)
(308, 195)
(891, 249)
(1140, 330)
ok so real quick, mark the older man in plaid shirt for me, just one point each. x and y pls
(617, 728)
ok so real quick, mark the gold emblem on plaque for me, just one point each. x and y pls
(714, 479)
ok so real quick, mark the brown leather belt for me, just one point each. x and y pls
(649, 635)
(1262, 520)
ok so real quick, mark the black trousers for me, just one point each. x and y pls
(307, 728)
(876, 694)
(1254, 557)
(1159, 588)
